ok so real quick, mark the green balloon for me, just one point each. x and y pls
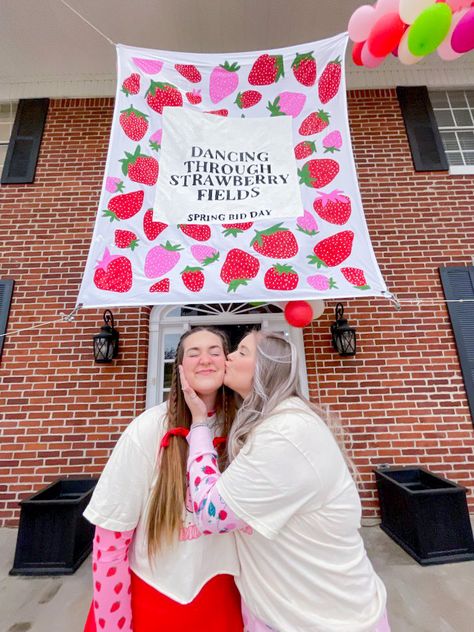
(429, 29)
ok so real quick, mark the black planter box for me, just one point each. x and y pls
(53, 537)
(425, 514)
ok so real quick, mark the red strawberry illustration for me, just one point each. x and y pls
(218, 112)
(134, 123)
(247, 99)
(224, 81)
(275, 242)
(330, 81)
(280, 277)
(189, 72)
(199, 232)
(161, 259)
(126, 239)
(304, 69)
(161, 286)
(333, 250)
(140, 167)
(318, 172)
(160, 95)
(131, 85)
(267, 69)
(239, 267)
(151, 228)
(236, 229)
(304, 149)
(113, 273)
(124, 206)
(356, 277)
(314, 123)
(334, 207)
(194, 97)
(193, 278)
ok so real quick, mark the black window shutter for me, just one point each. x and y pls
(423, 135)
(25, 141)
(458, 283)
(6, 291)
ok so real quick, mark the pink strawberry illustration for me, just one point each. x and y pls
(307, 224)
(160, 95)
(126, 239)
(287, 103)
(223, 112)
(155, 140)
(113, 273)
(267, 69)
(189, 72)
(151, 228)
(193, 278)
(134, 123)
(330, 81)
(140, 167)
(280, 277)
(114, 185)
(314, 123)
(199, 232)
(194, 97)
(224, 81)
(148, 66)
(205, 255)
(356, 277)
(161, 259)
(161, 286)
(332, 142)
(333, 250)
(236, 229)
(321, 282)
(276, 242)
(334, 207)
(304, 149)
(247, 99)
(304, 69)
(239, 267)
(318, 172)
(131, 84)
(124, 206)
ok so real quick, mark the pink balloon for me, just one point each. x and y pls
(462, 39)
(445, 50)
(361, 22)
(385, 34)
(369, 60)
(457, 5)
(386, 6)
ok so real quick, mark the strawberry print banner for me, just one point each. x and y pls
(145, 253)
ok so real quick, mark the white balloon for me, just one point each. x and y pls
(404, 54)
(386, 6)
(410, 9)
(318, 308)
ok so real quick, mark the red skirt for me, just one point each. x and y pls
(216, 608)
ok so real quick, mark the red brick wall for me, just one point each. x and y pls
(401, 398)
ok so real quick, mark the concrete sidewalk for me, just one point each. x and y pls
(421, 599)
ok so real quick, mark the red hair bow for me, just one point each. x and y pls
(174, 432)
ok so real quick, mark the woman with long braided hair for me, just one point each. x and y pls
(153, 571)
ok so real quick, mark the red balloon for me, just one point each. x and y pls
(385, 35)
(356, 52)
(298, 313)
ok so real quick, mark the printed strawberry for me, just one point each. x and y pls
(199, 232)
(334, 207)
(321, 282)
(148, 66)
(160, 95)
(236, 229)
(332, 142)
(131, 85)
(140, 167)
(126, 239)
(134, 123)
(114, 185)
(151, 228)
(275, 242)
(356, 277)
(113, 273)
(189, 72)
(218, 112)
(304, 69)
(124, 206)
(314, 123)
(224, 81)
(287, 104)
(161, 286)
(307, 224)
(330, 81)
(193, 278)
(194, 97)
(318, 172)
(155, 140)
(267, 69)
(239, 267)
(333, 250)
(304, 149)
(280, 277)
(247, 99)
(205, 254)
(161, 259)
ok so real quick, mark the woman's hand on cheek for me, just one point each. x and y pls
(195, 404)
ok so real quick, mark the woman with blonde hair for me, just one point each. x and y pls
(152, 570)
(304, 567)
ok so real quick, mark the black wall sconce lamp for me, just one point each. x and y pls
(343, 336)
(106, 342)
